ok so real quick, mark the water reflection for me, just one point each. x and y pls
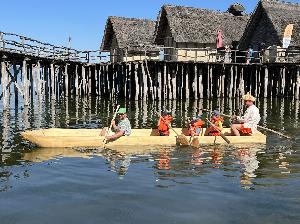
(278, 159)
(249, 164)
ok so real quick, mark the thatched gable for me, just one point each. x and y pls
(121, 32)
(268, 22)
(195, 25)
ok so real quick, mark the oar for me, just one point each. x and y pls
(261, 127)
(221, 134)
(194, 140)
(183, 140)
(276, 132)
(110, 127)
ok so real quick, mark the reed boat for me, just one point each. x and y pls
(71, 138)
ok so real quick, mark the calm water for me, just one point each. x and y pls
(213, 184)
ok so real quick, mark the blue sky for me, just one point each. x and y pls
(53, 21)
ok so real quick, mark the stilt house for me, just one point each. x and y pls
(129, 39)
(268, 22)
(189, 34)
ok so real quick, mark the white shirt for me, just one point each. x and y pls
(251, 118)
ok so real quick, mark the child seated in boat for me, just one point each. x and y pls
(196, 126)
(217, 120)
(121, 128)
(164, 123)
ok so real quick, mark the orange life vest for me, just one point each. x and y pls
(163, 126)
(216, 122)
(194, 126)
(246, 131)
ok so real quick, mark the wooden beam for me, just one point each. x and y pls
(297, 92)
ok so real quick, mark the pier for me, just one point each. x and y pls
(31, 69)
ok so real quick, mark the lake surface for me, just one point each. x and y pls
(212, 184)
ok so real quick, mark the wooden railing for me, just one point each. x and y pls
(18, 44)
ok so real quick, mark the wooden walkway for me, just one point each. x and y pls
(31, 69)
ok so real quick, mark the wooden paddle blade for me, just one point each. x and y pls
(195, 143)
(183, 140)
(225, 138)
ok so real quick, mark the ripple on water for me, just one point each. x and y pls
(212, 184)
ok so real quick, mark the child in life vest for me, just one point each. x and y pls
(195, 126)
(217, 120)
(164, 124)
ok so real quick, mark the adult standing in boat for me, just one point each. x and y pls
(247, 124)
(122, 128)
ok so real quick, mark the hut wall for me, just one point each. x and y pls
(189, 52)
(170, 53)
(139, 56)
(116, 54)
(262, 30)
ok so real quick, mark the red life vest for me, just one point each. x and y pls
(163, 126)
(216, 122)
(246, 131)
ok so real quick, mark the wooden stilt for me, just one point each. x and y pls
(235, 81)
(231, 82)
(223, 82)
(187, 90)
(52, 80)
(195, 82)
(108, 82)
(165, 82)
(256, 81)
(83, 77)
(96, 72)
(266, 82)
(125, 79)
(283, 82)
(16, 91)
(56, 80)
(136, 79)
(4, 82)
(129, 69)
(297, 92)
(90, 81)
(242, 84)
(173, 82)
(169, 82)
(66, 81)
(25, 83)
(76, 81)
(145, 82)
(201, 94)
(159, 80)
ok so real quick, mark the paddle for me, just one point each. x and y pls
(261, 127)
(110, 127)
(183, 140)
(221, 134)
(194, 141)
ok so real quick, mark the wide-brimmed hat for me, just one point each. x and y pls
(249, 97)
(122, 111)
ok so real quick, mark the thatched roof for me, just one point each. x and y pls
(279, 15)
(195, 25)
(129, 32)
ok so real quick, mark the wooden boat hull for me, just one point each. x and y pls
(70, 138)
